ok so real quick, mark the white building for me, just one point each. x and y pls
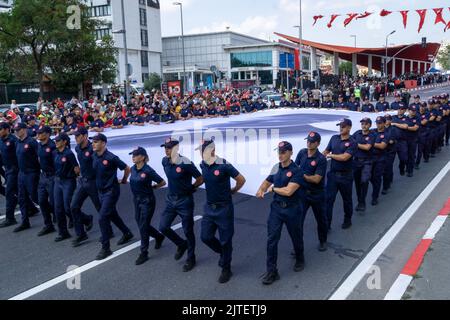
(143, 32)
(5, 5)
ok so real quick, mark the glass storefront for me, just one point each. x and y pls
(251, 59)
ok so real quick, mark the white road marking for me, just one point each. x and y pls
(69, 275)
(347, 287)
(435, 227)
(399, 287)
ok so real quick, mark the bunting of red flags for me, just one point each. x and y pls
(439, 18)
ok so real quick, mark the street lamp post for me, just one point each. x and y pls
(300, 37)
(354, 36)
(386, 56)
(182, 40)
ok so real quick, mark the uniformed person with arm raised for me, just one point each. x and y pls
(284, 182)
(341, 150)
(141, 182)
(219, 209)
(180, 172)
(105, 166)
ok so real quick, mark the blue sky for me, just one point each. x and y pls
(263, 17)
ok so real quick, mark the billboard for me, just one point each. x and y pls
(175, 88)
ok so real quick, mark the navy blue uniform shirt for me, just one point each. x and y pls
(97, 124)
(180, 176)
(353, 106)
(8, 151)
(367, 108)
(412, 122)
(381, 107)
(27, 155)
(85, 158)
(153, 117)
(185, 113)
(281, 177)
(338, 146)
(327, 104)
(217, 180)
(380, 137)
(32, 131)
(119, 121)
(400, 134)
(311, 166)
(65, 163)
(105, 167)
(141, 180)
(69, 127)
(46, 157)
(361, 138)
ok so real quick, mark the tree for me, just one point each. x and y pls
(39, 32)
(153, 82)
(346, 67)
(443, 57)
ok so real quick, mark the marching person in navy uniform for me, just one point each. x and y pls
(435, 122)
(219, 209)
(313, 169)
(382, 105)
(32, 126)
(27, 158)
(367, 106)
(8, 152)
(400, 132)
(284, 182)
(46, 150)
(141, 183)
(105, 166)
(66, 171)
(353, 104)
(341, 150)
(424, 146)
(362, 162)
(446, 106)
(398, 100)
(180, 201)
(381, 142)
(340, 104)
(327, 103)
(413, 126)
(391, 151)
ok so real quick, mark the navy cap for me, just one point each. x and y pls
(345, 123)
(431, 101)
(62, 137)
(20, 125)
(313, 137)
(44, 129)
(139, 152)
(99, 137)
(30, 118)
(381, 120)
(80, 131)
(402, 106)
(424, 105)
(366, 120)
(388, 117)
(412, 108)
(398, 95)
(5, 125)
(416, 96)
(284, 146)
(381, 95)
(170, 143)
(205, 144)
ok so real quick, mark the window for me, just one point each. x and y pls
(251, 59)
(99, 11)
(144, 38)
(142, 2)
(287, 60)
(143, 17)
(101, 33)
(145, 77)
(144, 59)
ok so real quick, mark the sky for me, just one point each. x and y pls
(262, 18)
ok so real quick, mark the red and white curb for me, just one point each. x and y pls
(411, 268)
(431, 86)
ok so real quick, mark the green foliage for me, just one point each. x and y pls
(346, 67)
(444, 57)
(153, 82)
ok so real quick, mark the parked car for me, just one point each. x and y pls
(22, 107)
(274, 97)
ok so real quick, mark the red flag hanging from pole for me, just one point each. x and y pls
(350, 18)
(317, 18)
(297, 59)
(364, 15)
(422, 13)
(439, 18)
(405, 17)
(385, 13)
(333, 17)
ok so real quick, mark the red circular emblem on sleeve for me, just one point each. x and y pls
(289, 174)
(281, 145)
(63, 159)
(217, 173)
(105, 162)
(382, 136)
(87, 154)
(312, 134)
(403, 119)
(367, 138)
(26, 146)
(143, 175)
(347, 144)
(423, 117)
(314, 163)
(415, 121)
(48, 150)
(8, 144)
(178, 170)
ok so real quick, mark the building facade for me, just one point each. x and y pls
(143, 32)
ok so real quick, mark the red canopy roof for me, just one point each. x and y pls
(414, 52)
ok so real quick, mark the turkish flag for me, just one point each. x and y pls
(350, 18)
(364, 15)
(422, 13)
(333, 17)
(297, 59)
(439, 18)
(317, 18)
(405, 17)
(385, 13)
